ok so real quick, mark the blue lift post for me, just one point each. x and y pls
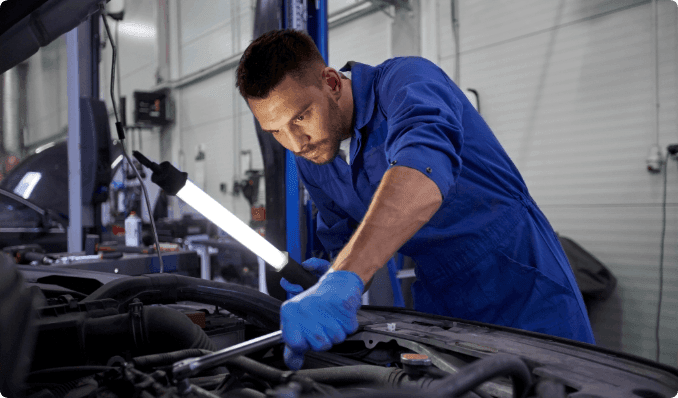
(311, 16)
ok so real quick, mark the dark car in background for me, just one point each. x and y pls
(34, 199)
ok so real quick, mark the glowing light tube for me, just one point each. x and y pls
(224, 219)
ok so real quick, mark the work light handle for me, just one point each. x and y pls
(146, 161)
(295, 273)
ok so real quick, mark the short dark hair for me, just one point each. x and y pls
(271, 57)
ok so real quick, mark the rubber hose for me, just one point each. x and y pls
(257, 369)
(341, 376)
(362, 375)
(482, 370)
(202, 393)
(208, 382)
(399, 393)
(179, 330)
(550, 389)
(163, 329)
(245, 393)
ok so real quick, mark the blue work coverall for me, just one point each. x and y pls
(488, 254)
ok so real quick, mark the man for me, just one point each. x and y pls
(424, 176)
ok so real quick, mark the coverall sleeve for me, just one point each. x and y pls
(423, 111)
(334, 225)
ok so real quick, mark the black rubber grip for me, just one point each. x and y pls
(296, 274)
(146, 161)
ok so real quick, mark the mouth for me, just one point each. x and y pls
(307, 154)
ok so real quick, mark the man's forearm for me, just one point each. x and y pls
(405, 200)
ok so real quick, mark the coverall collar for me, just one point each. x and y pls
(362, 81)
(362, 78)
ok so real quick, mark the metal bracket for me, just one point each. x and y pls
(136, 308)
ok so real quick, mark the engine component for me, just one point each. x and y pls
(93, 336)
(17, 329)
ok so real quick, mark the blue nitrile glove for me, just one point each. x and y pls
(321, 316)
(317, 266)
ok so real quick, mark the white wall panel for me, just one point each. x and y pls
(208, 101)
(46, 99)
(366, 40)
(208, 50)
(567, 87)
(207, 32)
(509, 19)
(200, 17)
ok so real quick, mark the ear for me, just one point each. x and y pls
(332, 80)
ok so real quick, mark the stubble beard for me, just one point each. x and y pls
(337, 132)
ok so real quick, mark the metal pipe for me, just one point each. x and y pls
(10, 124)
(455, 33)
(655, 56)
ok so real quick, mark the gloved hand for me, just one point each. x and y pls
(317, 266)
(321, 316)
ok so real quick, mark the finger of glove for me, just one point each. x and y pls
(290, 287)
(346, 321)
(316, 266)
(303, 326)
(335, 331)
(316, 335)
(291, 324)
(293, 359)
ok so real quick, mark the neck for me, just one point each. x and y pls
(346, 106)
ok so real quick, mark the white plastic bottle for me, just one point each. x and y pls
(133, 230)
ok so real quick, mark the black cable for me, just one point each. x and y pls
(121, 136)
(661, 258)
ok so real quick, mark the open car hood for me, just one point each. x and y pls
(27, 25)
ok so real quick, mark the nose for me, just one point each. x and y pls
(297, 140)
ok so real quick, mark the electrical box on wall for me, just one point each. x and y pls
(152, 108)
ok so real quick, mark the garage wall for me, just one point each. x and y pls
(347, 42)
(567, 87)
(210, 112)
(44, 79)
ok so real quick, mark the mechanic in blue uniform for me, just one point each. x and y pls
(424, 176)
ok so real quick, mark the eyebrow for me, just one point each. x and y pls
(293, 117)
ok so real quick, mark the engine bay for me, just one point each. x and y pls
(89, 334)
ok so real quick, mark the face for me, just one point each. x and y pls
(306, 119)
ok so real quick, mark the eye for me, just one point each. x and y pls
(300, 118)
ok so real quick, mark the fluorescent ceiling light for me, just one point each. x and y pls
(137, 30)
(27, 184)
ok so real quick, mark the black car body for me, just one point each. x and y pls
(34, 199)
